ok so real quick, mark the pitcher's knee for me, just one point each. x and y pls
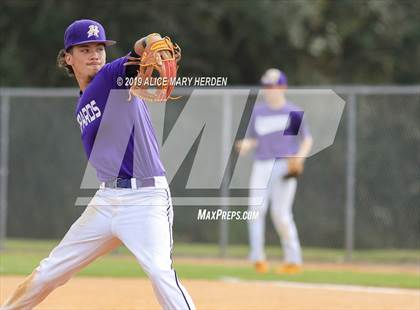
(41, 279)
(46, 279)
(158, 273)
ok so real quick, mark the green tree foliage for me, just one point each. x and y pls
(314, 41)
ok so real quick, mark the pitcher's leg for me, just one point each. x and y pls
(88, 238)
(146, 230)
(283, 194)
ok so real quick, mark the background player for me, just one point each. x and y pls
(278, 161)
(133, 205)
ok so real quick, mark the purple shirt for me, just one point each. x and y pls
(279, 132)
(117, 134)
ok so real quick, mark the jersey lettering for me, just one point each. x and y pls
(88, 114)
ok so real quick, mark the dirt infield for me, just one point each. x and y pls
(111, 293)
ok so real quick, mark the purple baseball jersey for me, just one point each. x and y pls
(117, 134)
(279, 132)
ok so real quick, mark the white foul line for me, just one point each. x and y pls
(335, 287)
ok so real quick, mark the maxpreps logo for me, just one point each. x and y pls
(88, 114)
(197, 147)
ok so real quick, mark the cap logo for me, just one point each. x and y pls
(93, 31)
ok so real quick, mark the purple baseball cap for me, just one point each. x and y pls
(274, 76)
(85, 31)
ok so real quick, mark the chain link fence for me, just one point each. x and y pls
(361, 192)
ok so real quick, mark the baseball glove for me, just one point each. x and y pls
(294, 168)
(158, 56)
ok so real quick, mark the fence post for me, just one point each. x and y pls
(350, 175)
(226, 148)
(4, 166)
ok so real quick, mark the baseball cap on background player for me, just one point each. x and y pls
(274, 77)
(85, 31)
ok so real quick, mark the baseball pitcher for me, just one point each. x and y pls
(281, 141)
(133, 205)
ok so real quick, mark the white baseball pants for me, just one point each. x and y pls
(267, 183)
(141, 219)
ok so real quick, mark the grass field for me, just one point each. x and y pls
(394, 256)
(22, 256)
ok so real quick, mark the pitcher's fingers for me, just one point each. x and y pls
(166, 55)
(158, 59)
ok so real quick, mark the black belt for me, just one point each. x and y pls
(127, 183)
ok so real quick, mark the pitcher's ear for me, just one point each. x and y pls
(68, 56)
